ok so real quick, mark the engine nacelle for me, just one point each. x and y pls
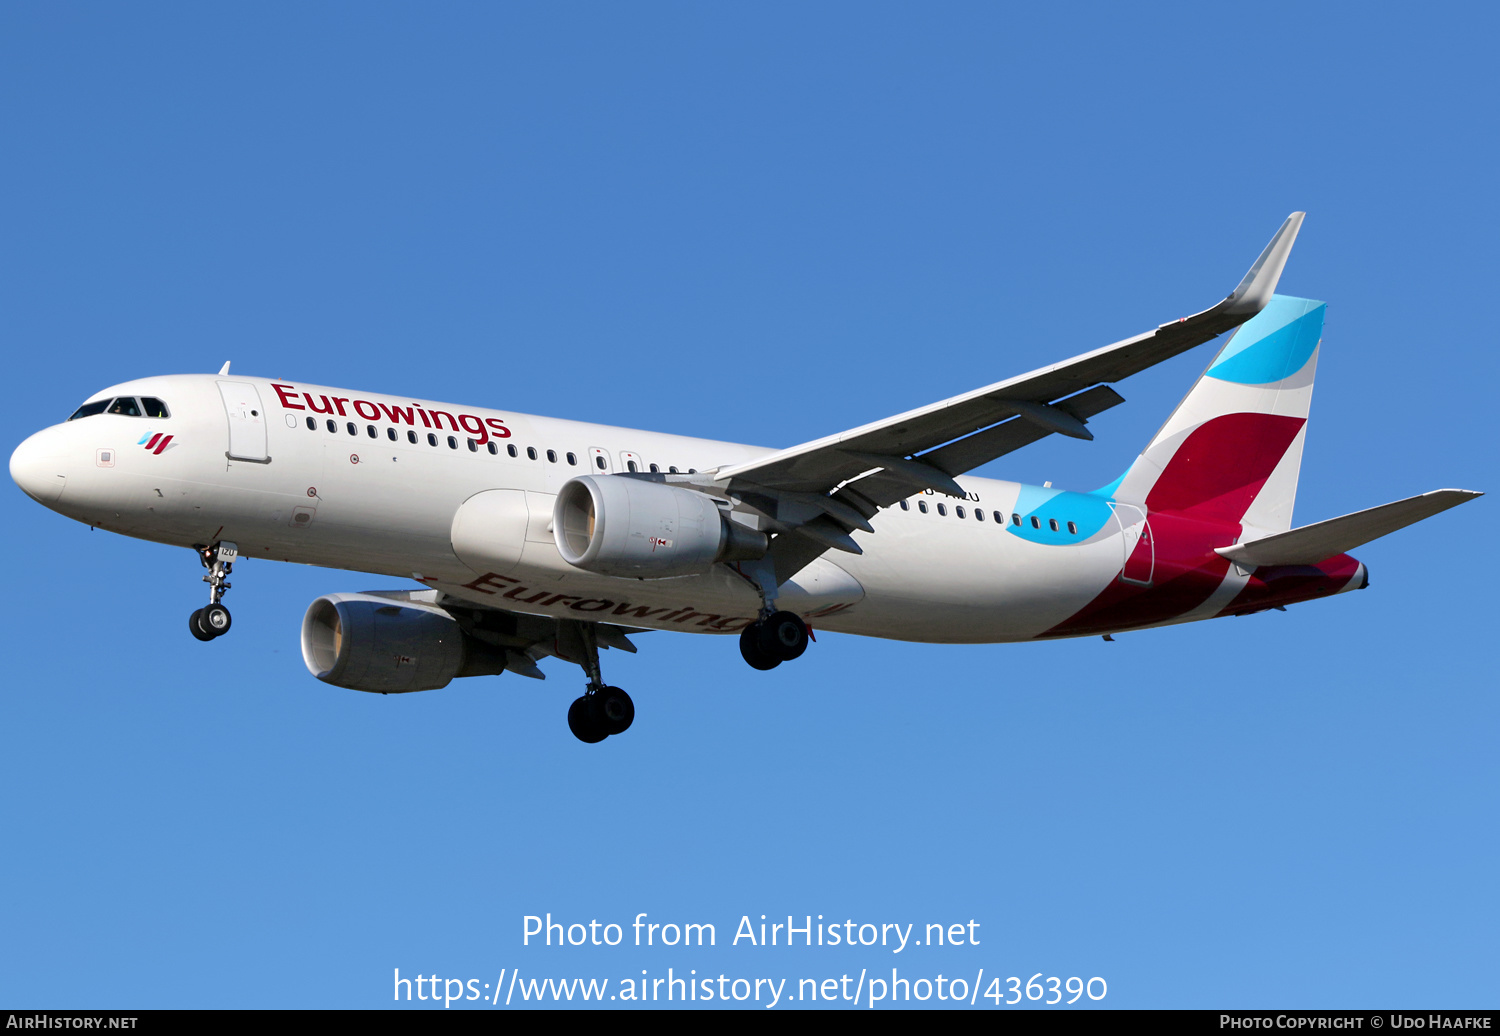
(620, 526)
(389, 645)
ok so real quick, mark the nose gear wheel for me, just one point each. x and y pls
(213, 621)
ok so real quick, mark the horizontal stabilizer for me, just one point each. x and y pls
(1322, 540)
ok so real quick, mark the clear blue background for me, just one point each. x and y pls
(764, 223)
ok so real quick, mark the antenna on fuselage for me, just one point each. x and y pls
(224, 369)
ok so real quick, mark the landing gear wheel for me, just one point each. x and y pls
(751, 650)
(196, 629)
(215, 619)
(782, 636)
(584, 722)
(614, 709)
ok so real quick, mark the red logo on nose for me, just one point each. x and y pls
(158, 442)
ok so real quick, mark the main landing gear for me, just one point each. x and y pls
(777, 638)
(213, 620)
(602, 710)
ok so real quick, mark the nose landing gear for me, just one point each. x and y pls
(208, 623)
(213, 620)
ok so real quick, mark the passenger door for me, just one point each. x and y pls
(247, 421)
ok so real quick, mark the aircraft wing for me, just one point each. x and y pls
(821, 491)
(521, 639)
(926, 447)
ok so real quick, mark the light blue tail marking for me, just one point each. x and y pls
(1274, 344)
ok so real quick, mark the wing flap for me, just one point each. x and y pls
(1322, 540)
(982, 447)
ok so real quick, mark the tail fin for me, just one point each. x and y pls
(1232, 449)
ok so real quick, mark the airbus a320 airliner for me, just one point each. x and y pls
(534, 537)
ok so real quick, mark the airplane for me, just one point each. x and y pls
(534, 537)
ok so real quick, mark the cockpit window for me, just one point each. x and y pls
(125, 406)
(90, 409)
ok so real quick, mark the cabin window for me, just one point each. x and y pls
(352, 429)
(978, 513)
(1072, 528)
(431, 439)
(552, 456)
(631, 465)
(411, 437)
(332, 426)
(673, 469)
(312, 424)
(959, 511)
(943, 510)
(1015, 519)
(473, 446)
(655, 470)
(511, 449)
(573, 459)
(90, 409)
(494, 450)
(370, 429)
(905, 506)
(1036, 523)
(154, 407)
(1052, 523)
(922, 506)
(531, 453)
(692, 471)
(126, 407)
(599, 463)
(390, 433)
(452, 443)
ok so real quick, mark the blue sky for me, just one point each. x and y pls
(761, 223)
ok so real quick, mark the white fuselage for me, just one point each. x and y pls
(356, 498)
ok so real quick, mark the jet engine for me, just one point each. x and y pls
(620, 526)
(366, 642)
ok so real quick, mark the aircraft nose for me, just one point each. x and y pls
(36, 466)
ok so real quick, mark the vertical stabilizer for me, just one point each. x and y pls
(1232, 449)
